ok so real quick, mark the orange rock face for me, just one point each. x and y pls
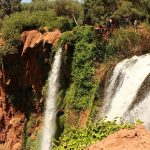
(134, 139)
(32, 38)
(1, 42)
(52, 37)
(35, 55)
(14, 133)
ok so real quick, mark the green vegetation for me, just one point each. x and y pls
(64, 15)
(71, 8)
(79, 139)
(7, 7)
(88, 48)
(123, 40)
(37, 5)
(32, 135)
(97, 11)
(36, 15)
(82, 68)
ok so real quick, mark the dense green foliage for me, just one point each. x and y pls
(64, 14)
(97, 11)
(9, 6)
(83, 86)
(79, 139)
(68, 8)
(123, 40)
(30, 142)
(36, 6)
(71, 8)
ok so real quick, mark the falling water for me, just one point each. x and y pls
(50, 111)
(127, 79)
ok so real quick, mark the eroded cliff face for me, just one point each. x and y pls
(22, 78)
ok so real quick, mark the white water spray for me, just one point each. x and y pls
(127, 79)
(50, 111)
(141, 111)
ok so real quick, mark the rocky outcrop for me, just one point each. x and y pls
(14, 132)
(1, 42)
(32, 38)
(52, 37)
(133, 139)
(36, 56)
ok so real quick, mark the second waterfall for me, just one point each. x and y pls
(50, 111)
(128, 93)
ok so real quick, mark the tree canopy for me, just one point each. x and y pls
(98, 10)
(9, 6)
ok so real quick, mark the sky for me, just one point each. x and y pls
(26, 1)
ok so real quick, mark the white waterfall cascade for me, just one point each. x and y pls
(50, 111)
(128, 77)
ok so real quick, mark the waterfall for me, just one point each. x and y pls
(50, 111)
(121, 96)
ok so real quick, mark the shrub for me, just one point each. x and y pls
(82, 89)
(63, 23)
(79, 139)
(123, 40)
(32, 135)
(82, 72)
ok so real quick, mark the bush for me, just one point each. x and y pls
(79, 139)
(82, 89)
(66, 38)
(123, 40)
(32, 135)
(82, 72)
(63, 23)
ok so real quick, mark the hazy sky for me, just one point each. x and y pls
(30, 0)
(26, 0)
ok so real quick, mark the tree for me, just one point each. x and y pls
(93, 11)
(69, 8)
(97, 11)
(126, 9)
(9, 6)
(144, 7)
(37, 5)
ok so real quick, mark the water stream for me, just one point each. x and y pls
(50, 111)
(127, 78)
